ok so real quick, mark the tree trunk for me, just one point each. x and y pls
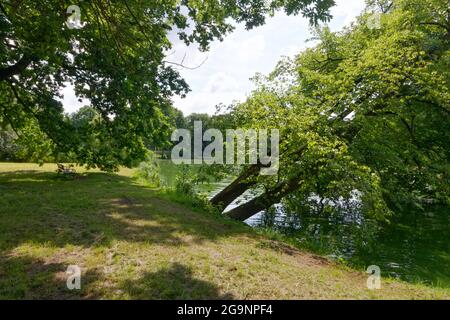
(236, 188)
(249, 209)
(246, 180)
(264, 201)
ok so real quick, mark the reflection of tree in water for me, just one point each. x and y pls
(414, 246)
(335, 227)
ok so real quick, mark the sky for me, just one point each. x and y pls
(224, 72)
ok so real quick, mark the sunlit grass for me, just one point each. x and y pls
(135, 242)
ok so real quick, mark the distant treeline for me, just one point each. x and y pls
(27, 146)
(221, 122)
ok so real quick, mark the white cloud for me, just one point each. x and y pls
(220, 88)
(252, 48)
(70, 100)
(244, 53)
(226, 69)
(221, 82)
(347, 10)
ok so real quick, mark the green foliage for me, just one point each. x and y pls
(117, 61)
(8, 148)
(149, 171)
(189, 177)
(186, 181)
(198, 202)
(29, 144)
(367, 109)
(95, 147)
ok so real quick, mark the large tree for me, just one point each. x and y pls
(116, 59)
(364, 114)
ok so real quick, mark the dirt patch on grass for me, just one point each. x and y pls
(306, 258)
(124, 201)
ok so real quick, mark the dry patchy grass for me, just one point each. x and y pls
(132, 243)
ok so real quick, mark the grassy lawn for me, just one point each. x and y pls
(132, 242)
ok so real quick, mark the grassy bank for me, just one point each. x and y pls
(135, 242)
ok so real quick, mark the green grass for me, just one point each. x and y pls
(134, 242)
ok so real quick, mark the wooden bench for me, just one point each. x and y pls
(65, 169)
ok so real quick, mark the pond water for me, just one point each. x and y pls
(414, 247)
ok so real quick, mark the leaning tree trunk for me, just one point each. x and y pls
(244, 182)
(249, 209)
(264, 201)
(225, 197)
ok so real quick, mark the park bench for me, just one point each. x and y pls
(65, 169)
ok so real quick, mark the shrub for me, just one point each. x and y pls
(185, 181)
(148, 171)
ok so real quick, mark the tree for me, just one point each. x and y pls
(365, 114)
(116, 59)
(8, 149)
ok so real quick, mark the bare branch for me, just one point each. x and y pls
(186, 67)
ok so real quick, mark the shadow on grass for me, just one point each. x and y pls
(31, 279)
(34, 279)
(40, 211)
(95, 209)
(174, 283)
